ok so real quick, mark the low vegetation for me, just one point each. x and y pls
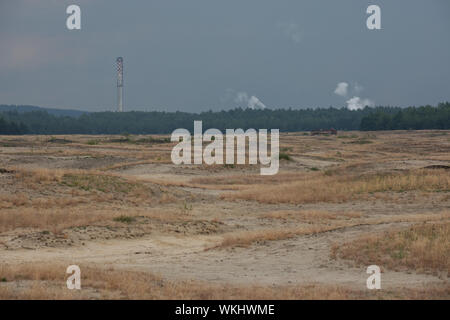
(422, 248)
(311, 215)
(124, 219)
(112, 283)
(319, 225)
(103, 183)
(340, 188)
(285, 156)
(55, 220)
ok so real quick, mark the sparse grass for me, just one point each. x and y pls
(353, 136)
(57, 220)
(59, 140)
(360, 141)
(125, 139)
(311, 215)
(92, 182)
(47, 281)
(116, 284)
(93, 142)
(125, 165)
(246, 238)
(39, 176)
(139, 141)
(54, 219)
(187, 207)
(248, 179)
(152, 140)
(324, 188)
(95, 182)
(103, 183)
(422, 248)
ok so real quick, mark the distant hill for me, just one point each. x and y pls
(52, 111)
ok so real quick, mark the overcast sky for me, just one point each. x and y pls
(194, 55)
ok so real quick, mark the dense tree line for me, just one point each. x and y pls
(11, 127)
(136, 122)
(426, 117)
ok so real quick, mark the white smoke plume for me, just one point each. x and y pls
(357, 103)
(246, 101)
(341, 89)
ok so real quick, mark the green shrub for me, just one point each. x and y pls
(284, 156)
(93, 142)
(124, 219)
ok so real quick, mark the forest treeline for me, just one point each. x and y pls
(287, 120)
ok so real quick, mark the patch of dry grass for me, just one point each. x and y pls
(322, 188)
(45, 281)
(45, 188)
(105, 183)
(126, 165)
(12, 201)
(49, 283)
(38, 176)
(249, 179)
(246, 238)
(58, 219)
(423, 247)
(59, 199)
(311, 215)
(54, 220)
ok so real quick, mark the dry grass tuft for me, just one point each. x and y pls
(246, 238)
(59, 219)
(104, 183)
(311, 215)
(423, 247)
(321, 188)
(249, 179)
(54, 220)
(39, 176)
(69, 187)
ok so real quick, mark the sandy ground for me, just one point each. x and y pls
(302, 260)
(181, 249)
